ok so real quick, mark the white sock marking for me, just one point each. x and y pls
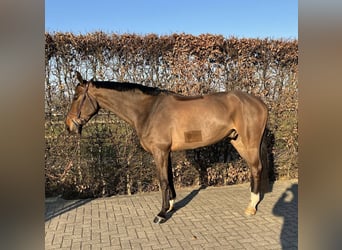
(172, 202)
(255, 198)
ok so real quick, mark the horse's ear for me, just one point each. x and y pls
(79, 77)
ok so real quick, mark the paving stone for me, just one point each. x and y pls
(210, 218)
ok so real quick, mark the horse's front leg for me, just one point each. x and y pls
(171, 185)
(161, 160)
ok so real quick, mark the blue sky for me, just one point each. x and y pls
(239, 18)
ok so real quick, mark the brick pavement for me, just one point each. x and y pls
(209, 218)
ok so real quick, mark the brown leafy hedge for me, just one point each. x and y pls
(108, 159)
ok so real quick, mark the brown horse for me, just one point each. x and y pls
(165, 122)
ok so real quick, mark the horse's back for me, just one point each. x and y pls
(219, 104)
(187, 98)
(246, 97)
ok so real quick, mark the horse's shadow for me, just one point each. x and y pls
(185, 201)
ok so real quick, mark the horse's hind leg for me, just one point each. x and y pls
(252, 157)
(256, 169)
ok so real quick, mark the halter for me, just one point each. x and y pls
(83, 100)
(85, 95)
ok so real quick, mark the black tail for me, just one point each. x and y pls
(265, 173)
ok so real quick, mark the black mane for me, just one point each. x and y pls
(127, 86)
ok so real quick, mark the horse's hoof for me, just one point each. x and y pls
(250, 211)
(159, 220)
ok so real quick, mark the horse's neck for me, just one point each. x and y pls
(128, 105)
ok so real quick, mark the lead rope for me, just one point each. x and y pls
(79, 159)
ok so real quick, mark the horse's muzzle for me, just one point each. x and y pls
(73, 126)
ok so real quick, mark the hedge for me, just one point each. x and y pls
(108, 159)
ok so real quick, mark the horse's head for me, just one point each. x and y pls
(83, 107)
